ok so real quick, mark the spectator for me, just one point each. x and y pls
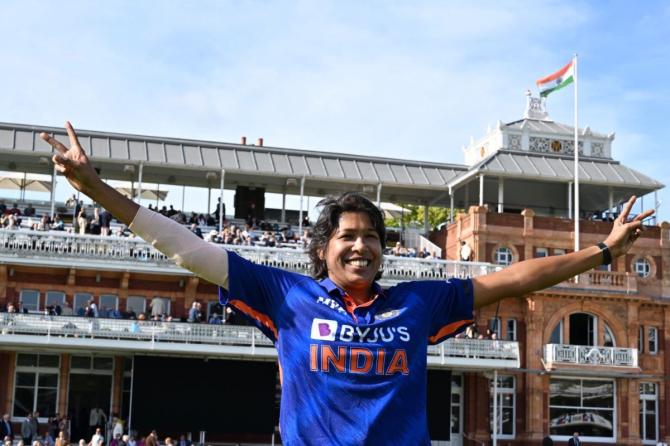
(194, 313)
(574, 440)
(172, 211)
(183, 441)
(82, 221)
(61, 440)
(94, 224)
(15, 210)
(6, 428)
(547, 441)
(3, 207)
(465, 253)
(29, 211)
(214, 319)
(58, 224)
(98, 439)
(44, 224)
(158, 307)
(105, 222)
(196, 229)
(27, 429)
(305, 221)
(67, 309)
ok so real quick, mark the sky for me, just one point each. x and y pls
(404, 79)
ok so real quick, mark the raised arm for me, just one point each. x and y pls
(536, 274)
(172, 239)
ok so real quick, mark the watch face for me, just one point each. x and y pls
(556, 145)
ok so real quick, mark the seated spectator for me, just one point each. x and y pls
(44, 224)
(105, 222)
(194, 314)
(3, 207)
(196, 229)
(58, 224)
(67, 309)
(29, 211)
(399, 250)
(82, 222)
(94, 224)
(172, 211)
(15, 210)
(305, 221)
(214, 319)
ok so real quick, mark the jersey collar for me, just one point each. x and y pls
(331, 287)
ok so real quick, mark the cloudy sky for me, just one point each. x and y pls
(406, 79)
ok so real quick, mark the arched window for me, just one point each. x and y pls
(608, 337)
(503, 256)
(642, 267)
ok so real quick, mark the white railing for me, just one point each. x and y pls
(476, 349)
(56, 245)
(463, 352)
(122, 329)
(590, 355)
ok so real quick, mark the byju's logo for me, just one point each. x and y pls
(324, 329)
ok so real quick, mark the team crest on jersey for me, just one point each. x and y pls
(324, 329)
(388, 315)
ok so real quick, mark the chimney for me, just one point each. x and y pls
(260, 142)
(243, 140)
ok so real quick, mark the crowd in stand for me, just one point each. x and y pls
(399, 250)
(95, 221)
(57, 432)
(158, 311)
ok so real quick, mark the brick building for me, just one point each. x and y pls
(587, 355)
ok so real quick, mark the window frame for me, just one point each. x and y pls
(514, 326)
(36, 370)
(503, 260)
(645, 271)
(541, 252)
(116, 301)
(53, 292)
(39, 300)
(652, 340)
(643, 412)
(613, 438)
(144, 304)
(501, 392)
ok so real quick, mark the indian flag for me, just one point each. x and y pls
(563, 77)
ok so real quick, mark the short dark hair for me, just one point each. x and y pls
(329, 220)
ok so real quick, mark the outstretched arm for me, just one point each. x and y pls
(536, 274)
(169, 237)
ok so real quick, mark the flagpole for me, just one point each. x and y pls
(576, 199)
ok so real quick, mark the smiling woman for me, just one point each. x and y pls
(353, 355)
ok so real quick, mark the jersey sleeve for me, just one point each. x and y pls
(452, 305)
(257, 291)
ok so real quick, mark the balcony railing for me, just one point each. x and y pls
(52, 247)
(122, 335)
(617, 281)
(584, 355)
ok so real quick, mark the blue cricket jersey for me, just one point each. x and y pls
(351, 375)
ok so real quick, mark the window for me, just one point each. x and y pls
(136, 303)
(503, 256)
(109, 302)
(642, 267)
(456, 412)
(30, 300)
(559, 251)
(557, 334)
(583, 329)
(541, 252)
(80, 301)
(495, 327)
(582, 405)
(649, 412)
(92, 363)
(506, 400)
(213, 306)
(640, 339)
(609, 340)
(652, 340)
(54, 298)
(126, 387)
(510, 334)
(36, 387)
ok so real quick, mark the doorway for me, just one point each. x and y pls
(87, 391)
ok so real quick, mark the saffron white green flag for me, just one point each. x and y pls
(563, 77)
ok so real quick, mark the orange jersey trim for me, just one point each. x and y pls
(449, 329)
(264, 319)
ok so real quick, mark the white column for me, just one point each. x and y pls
(481, 190)
(570, 199)
(302, 195)
(183, 198)
(495, 408)
(501, 194)
(451, 207)
(53, 191)
(283, 206)
(139, 183)
(209, 199)
(379, 195)
(221, 214)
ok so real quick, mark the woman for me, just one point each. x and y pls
(353, 355)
